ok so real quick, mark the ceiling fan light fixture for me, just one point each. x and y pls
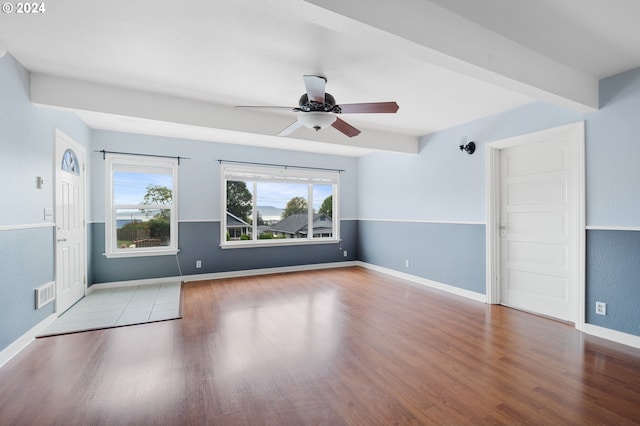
(317, 120)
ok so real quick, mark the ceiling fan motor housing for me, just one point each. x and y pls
(329, 105)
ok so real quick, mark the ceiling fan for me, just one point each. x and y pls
(318, 109)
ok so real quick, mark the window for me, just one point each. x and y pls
(275, 206)
(70, 162)
(141, 206)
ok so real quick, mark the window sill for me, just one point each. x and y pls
(277, 243)
(141, 253)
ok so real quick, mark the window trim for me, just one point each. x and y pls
(122, 161)
(264, 173)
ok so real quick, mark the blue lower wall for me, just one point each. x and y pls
(613, 277)
(201, 241)
(452, 254)
(25, 264)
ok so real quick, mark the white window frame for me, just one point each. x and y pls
(254, 173)
(139, 164)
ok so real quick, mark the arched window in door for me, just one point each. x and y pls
(70, 162)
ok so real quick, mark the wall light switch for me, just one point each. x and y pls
(48, 215)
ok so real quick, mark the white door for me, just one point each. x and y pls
(70, 222)
(539, 224)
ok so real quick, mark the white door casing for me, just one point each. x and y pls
(70, 222)
(536, 222)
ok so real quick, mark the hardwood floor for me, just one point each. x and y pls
(344, 346)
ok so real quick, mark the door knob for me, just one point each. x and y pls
(60, 240)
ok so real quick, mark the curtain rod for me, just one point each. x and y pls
(104, 153)
(286, 166)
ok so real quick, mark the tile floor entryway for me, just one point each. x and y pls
(114, 307)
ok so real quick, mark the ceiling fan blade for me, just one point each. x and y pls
(294, 109)
(292, 128)
(346, 128)
(315, 87)
(372, 107)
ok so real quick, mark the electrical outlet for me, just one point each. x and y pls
(601, 308)
(198, 263)
(345, 253)
(406, 263)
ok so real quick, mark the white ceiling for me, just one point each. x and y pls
(445, 62)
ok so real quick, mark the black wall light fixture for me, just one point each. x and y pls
(470, 148)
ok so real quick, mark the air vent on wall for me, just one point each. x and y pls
(45, 294)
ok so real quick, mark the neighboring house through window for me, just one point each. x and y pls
(141, 206)
(297, 226)
(237, 228)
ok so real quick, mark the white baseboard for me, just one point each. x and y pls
(613, 335)
(479, 297)
(23, 341)
(267, 271)
(220, 275)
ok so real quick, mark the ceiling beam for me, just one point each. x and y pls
(66, 93)
(433, 34)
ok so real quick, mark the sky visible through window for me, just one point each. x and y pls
(130, 188)
(277, 194)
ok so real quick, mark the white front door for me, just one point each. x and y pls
(70, 222)
(539, 224)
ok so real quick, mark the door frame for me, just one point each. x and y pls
(492, 170)
(56, 175)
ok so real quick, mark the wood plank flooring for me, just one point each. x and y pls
(329, 347)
